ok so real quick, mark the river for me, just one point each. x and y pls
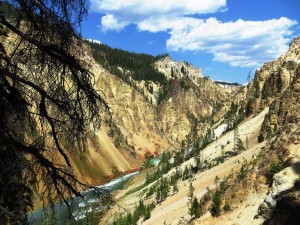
(155, 161)
(80, 208)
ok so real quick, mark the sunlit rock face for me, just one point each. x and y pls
(143, 125)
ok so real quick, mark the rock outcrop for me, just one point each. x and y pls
(173, 69)
(281, 128)
(287, 211)
(283, 184)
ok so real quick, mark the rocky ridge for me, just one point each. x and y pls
(173, 69)
(263, 185)
(281, 127)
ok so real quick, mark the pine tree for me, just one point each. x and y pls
(175, 187)
(216, 206)
(256, 88)
(240, 146)
(191, 198)
(196, 210)
(172, 72)
(129, 219)
(249, 77)
(147, 214)
(186, 173)
(222, 153)
(182, 70)
(249, 108)
(162, 191)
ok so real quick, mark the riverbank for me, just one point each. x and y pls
(89, 207)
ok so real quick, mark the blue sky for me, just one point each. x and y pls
(227, 39)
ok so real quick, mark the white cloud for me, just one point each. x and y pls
(121, 13)
(109, 22)
(165, 23)
(239, 43)
(146, 8)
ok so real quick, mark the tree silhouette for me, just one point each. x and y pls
(48, 103)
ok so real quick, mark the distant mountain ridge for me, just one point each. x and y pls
(227, 83)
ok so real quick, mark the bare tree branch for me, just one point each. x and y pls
(47, 100)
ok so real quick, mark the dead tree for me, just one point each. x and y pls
(47, 101)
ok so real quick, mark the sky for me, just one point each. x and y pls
(226, 38)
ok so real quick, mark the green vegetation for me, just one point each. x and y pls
(140, 211)
(162, 187)
(138, 66)
(249, 107)
(239, 145)
(194, 205)
(272, 86)
(216, 206)
(163, 168)
(158, 186)
(196, 210)
(162, 191)
(49, 213)
(191, 198)
(276, 166)
(243, 172)
(136, 189)
(119, 62)
(256, 88)
(227, 207)
(175, 187)
(215, 198)
(215, 209)
(228, 83)
(234, 115)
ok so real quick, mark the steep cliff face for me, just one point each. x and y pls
(283, 86)
(189, 109)
(281, 130)
(274, 77)
(190, 98)
(144, 126)
(173, 69)
(148, 116)
(133, 115)
(174, 116)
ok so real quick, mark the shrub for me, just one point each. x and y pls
(226, 207)
(277, 166)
